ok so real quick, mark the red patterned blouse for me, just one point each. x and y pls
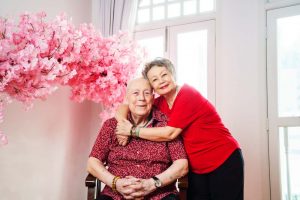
(139, 158)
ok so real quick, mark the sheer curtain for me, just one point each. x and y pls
(110, 16)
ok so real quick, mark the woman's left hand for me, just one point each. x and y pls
(123, 127)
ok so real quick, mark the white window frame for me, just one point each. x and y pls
(274, 121)
(208, 20)
(280, 3)
(211, 68)
(151, 33)
(175, 19)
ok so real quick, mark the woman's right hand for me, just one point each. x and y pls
(123, 140)
(124, 127)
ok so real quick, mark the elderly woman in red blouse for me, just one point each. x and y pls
(142, 168)
(215, 158)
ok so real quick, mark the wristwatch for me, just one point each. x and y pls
(157, 182)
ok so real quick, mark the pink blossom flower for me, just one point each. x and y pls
(37, 56)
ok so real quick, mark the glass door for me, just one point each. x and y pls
(192, 49)
(154, 42)
(283, 65)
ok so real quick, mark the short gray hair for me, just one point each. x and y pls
(160, 62)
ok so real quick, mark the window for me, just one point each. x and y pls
(192, 50)
(156, 10)
(289, 139)
(153, 41)
(190, 46)
(283, 58)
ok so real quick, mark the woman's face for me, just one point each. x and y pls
(161, 79)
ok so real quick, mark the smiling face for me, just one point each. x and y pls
(140, 98)
(161, 79)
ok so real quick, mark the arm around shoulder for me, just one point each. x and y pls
(160, 134)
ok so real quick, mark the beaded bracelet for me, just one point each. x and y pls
(137, 132)
(114, 186)
(132, 130)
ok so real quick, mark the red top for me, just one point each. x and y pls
(207, 141)
(139, 158)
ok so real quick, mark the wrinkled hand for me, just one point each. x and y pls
(134, 188)
(123, 140)
(125, 186)
(124, 127)
(143, 188)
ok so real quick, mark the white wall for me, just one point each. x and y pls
(241, 86)
(48, 145)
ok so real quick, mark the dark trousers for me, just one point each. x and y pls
(168, 197)
(224, 183)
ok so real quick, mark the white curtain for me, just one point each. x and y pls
(110, 16)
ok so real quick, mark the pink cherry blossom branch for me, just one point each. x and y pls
(36, 56)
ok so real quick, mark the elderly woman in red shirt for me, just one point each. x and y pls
(141, 168)
(215, 159)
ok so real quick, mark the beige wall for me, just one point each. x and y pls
(49, 144)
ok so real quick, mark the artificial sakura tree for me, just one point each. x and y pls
(36, 56)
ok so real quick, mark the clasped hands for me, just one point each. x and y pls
(134, 188)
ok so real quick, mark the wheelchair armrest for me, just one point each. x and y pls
(183, 186)
(183, 183)
(94, 187)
